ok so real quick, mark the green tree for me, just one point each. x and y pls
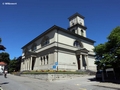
(0, 40)
(18, 63)
(1, 46)
(114, 47)
(15, 64)
(4, 57)
(108, 54)
(12, 65)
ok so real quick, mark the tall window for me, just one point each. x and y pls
(73, 30)
(44, 60)
(41, 60)
(47, 59)
(45, 41)
(82, 32)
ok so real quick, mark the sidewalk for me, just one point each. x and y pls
(109, 84)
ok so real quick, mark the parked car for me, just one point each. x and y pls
(99, 74)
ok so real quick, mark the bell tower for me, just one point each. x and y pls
(76, 24)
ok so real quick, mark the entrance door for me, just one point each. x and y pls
(33, 62)
(78, 61)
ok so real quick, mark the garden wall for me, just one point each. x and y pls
(52, 77)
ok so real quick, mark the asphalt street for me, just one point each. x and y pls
(13, 82)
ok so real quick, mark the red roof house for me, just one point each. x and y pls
(3, 63)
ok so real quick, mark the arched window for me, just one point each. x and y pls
(78, 44)
(73, 30)
(82, 32)
(45, 41)
(34, 47)
(72, 23)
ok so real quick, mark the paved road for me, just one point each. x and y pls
(79, 83)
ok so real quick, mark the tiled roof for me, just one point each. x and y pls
(2, 63)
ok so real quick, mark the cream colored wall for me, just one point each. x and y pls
(80, 20)
(26, 64)
(88, 46)
(84, 32)
(91, 61)
(76, 20)
(51, 35)
(69, 40)
(22, 66)
(51, 61)
(66, 38)
(37, 63)
(62, 38)
(66, 61)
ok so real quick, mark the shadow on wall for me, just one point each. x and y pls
(84, 62)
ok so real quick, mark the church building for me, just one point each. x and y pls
(60, 49)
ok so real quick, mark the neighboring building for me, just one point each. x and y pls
(60, 49)
(2, 67)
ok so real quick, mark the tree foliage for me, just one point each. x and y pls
(108, 54)
(15, 64)
(1, 46)
(0, 40)
(4, 57)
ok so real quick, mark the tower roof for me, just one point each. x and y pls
(76, 14)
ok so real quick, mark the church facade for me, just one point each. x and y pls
(60, 49)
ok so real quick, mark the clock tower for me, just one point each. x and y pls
(76, 24)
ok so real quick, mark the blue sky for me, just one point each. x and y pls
(26, 19)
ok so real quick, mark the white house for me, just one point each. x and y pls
(60, 49)
(2, 67)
